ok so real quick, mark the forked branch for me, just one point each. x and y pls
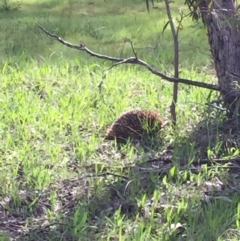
(131, 60)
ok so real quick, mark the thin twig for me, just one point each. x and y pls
(131, 60)
(103, 174)
(169, 159)
(215, 161)
(130, 41)
(176, 61)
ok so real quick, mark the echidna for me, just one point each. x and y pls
(135, 125)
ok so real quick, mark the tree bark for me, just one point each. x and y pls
(223, 28)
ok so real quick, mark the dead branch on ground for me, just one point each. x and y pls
(161, 165)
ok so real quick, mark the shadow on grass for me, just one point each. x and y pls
(77, 22)
(23, 10)
(19, 33)
(82, 207)
(12, 10)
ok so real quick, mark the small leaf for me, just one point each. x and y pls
(180, 27)
(165, 26)
(177, 227)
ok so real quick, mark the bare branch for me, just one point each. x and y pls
(176, 62)
(131, 60)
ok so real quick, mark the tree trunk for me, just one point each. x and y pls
(223, 27)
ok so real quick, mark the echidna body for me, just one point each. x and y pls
(135, 125)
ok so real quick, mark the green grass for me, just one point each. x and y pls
(55, 107)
